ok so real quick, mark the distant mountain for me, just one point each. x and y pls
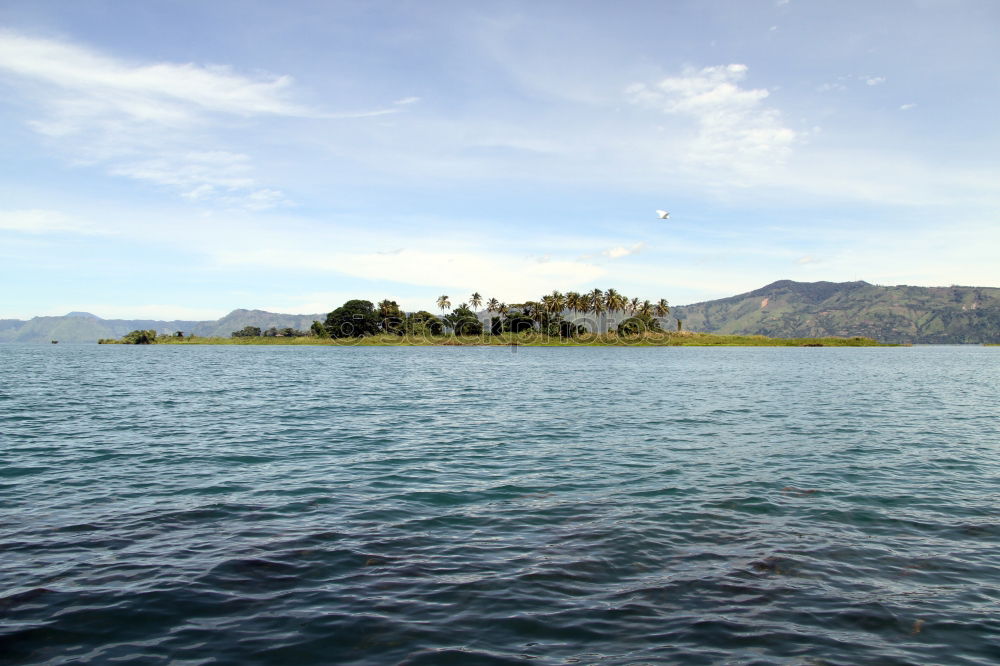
(787, 309)
(85, 327)
(783, 309)
(238, 319)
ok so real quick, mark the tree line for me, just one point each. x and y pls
(546, 316)
(357, 318)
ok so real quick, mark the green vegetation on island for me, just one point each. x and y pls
(597, 318)
(535, 339)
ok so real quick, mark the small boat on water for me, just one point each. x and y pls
(55, 342)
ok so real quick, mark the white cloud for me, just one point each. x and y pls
(622, 251)
(38, 221)
(907, 107)
(736, 131)
(874, 80)
(154, 122)
(165, 93)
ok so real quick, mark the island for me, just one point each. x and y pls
(596, 318)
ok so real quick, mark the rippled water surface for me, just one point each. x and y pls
(294, 505)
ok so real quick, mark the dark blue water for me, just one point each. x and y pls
(292, 505)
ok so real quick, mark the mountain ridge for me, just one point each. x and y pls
(897, 314)
(84, 327)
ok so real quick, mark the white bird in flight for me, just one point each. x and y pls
(663, 214)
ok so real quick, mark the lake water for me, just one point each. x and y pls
(296, 505)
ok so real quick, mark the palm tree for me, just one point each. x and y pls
(558, 302)
(634, 305)
(645, 309)
(613, 301)
(597, 306)
(573, 302)
(475, 301)
(492, 305)
(444, 303)
(662, 308)
(545, 307)
(532, 310)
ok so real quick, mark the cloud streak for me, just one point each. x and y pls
(153, 122)
(40, 221)
(162, 93)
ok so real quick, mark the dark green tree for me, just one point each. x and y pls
(641, 323)
(319, 330)
(517, 322)
(567, 329)
(139, 337)
(423, 323)
(464, 321)
(353, 319)
(247, 332)
(390, 318)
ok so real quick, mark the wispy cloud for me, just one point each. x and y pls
(736, 129)
(91, 87)
(153, 121)
(205, 176)
(827, 87)
(841, 83)
(40, 221)
(622, 251)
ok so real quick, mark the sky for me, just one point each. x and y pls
(181, 159)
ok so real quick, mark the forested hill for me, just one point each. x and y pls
(789, 309)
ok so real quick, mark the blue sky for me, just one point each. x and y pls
(181, 159)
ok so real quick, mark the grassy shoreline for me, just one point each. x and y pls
(528, 339)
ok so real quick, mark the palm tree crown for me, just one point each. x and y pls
(573, 301)
(558, 302)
